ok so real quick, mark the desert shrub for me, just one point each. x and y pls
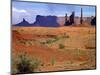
(79, 52)
(26, 65)
(42, 42)
(90, 43)
(35, 63)
(61, 46)
(65, 36)
(53, 61)
(14, 71)
(71, 64)
(14, 60)
(49, 41)
(55, 39)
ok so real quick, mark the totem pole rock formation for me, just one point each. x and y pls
(93, 21)
(72, 18)
(66, 18)
(67, 23)
(81, 18)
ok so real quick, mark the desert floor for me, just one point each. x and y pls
(56, 49)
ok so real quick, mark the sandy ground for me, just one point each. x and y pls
(61, 48)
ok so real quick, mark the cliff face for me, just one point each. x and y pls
(47, 21)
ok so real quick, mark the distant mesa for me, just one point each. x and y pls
(46, 21)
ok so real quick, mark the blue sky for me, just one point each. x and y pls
(29, 10)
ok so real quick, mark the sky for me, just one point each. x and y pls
(29, 10)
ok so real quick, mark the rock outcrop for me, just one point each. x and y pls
(46, 21)
(71, 19)
(93, 21)
(81, 18)
(23, 23)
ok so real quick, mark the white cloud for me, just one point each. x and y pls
(19, 14)
(19, 10)
(14, 9)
